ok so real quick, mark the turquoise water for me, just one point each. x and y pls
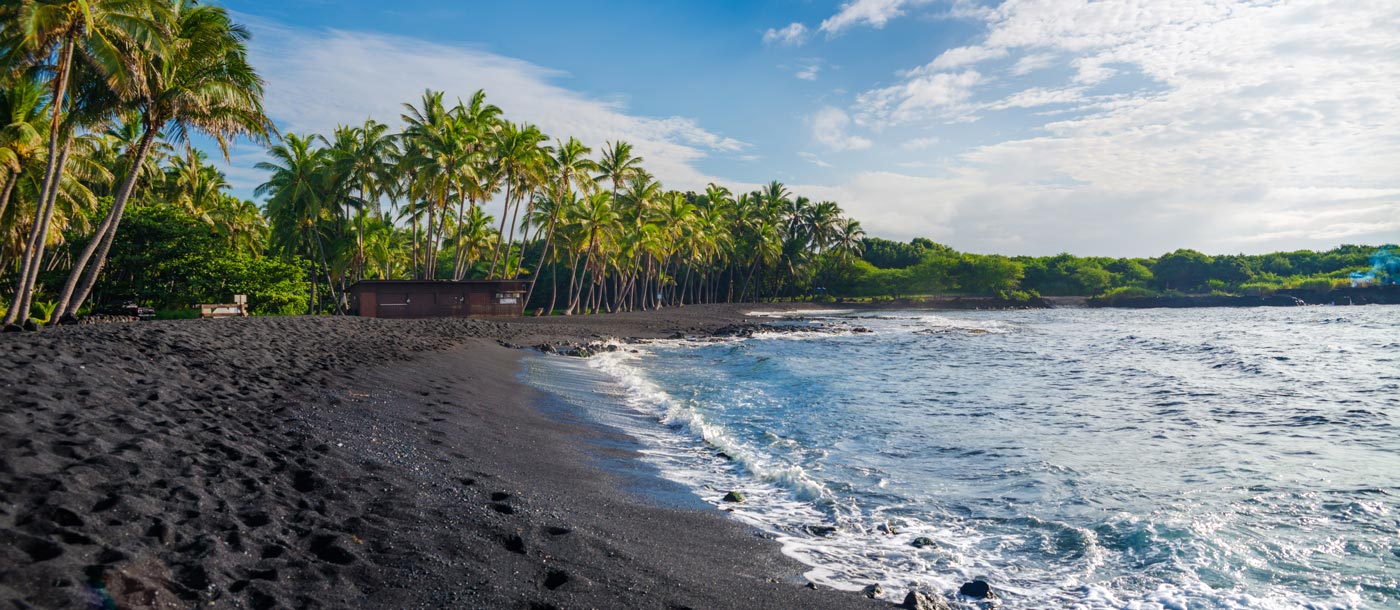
(1207, 458)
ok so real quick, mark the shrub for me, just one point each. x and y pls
(1128, 292)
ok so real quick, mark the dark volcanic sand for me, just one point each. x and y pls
(340, 463)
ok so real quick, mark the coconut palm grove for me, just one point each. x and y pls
(112, 108)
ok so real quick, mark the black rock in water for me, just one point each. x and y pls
(977, 589)
(821, 530)
(873, 591)
(921, 601)
(734, 496)
(921, 542)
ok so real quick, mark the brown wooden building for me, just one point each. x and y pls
(438, 298)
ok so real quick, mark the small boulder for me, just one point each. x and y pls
(873, 591)
(921, 542)
(821, 530)
(734, 496)
(922, 601)
(977, 589)
(887, 529)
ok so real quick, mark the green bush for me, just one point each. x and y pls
(1128, 292)
(1313, 284)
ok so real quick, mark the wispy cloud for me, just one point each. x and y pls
(920, 143)
(793, 34)
(809, 70)
(873, 13)
(813, 159)
(829, 127)
(919, 97)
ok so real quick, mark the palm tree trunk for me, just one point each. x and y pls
(548, 238)
(69, 302)
(413, 264)
(5, 202)
(748, 279)
(573, 278)
(501, 232)
(553, 289)
(513, 223)
(458, 255)
(437, 245)
(685, 286)
(360, 237)
(326, 268)
(39, 239)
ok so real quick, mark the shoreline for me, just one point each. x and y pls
(345, 462)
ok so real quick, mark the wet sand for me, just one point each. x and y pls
(343, 463)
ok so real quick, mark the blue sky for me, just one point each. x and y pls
(1118, 127)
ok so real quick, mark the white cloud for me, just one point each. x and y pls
(829, 127)
(1039, 96)
(917, 98)
(317, 79)
(919, 143)
(809, 71)
(813, 159)
(961, 56)
(1033, 62)
(794, 34)
(874, 13)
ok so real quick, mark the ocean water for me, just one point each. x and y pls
(1155, 459)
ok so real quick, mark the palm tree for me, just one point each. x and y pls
(197, 79)
(596, 220)
(298, 202)
(849, 238)
(194, 185)
(521, 161)
(365, 160)
(479, 122)
(618, 164)
(241, 223)
(568, 167)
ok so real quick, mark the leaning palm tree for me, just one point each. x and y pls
(104, 37)
(198, 79)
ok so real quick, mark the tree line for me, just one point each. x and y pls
(923, 267)
(601, 231)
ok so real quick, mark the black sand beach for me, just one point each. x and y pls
(341, 463)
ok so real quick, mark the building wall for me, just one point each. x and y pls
(426, 299)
